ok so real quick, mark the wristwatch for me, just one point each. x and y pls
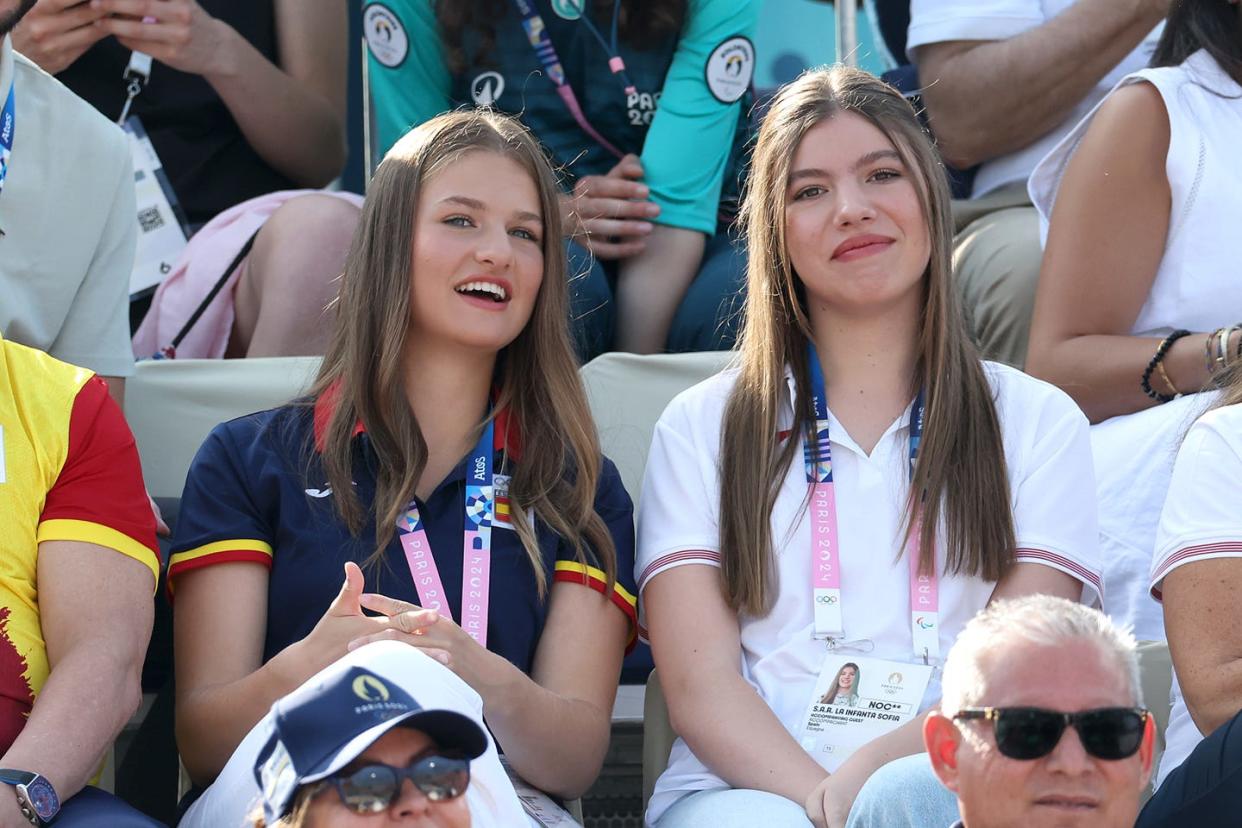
(35, 795)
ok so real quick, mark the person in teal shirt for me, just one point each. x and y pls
(642, 105)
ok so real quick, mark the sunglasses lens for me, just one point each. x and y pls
(440, 778)
(369, 790)
(1023, 733)
(1113, 733)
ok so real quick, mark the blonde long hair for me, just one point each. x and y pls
(960, 477)
(536, 374)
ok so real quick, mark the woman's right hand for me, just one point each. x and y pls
(55, 33)
(343, 622)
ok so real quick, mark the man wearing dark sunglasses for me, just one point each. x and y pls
(1041, 722)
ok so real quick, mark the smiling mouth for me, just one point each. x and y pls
(863, 250)
(483, 290)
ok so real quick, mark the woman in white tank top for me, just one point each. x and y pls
(1139, 206)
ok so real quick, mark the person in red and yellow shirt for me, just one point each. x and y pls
(78, 566)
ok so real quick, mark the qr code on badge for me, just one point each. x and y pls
(150, 219)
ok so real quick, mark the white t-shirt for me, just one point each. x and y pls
(937, 21)
(68, 219)
(1052, 489)
(493, 802)
(1201, 521)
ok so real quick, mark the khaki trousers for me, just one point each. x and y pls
(996, 259)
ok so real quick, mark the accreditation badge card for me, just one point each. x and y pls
(884, 695)
(161, 225)
(539, 807)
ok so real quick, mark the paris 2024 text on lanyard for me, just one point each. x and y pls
(476, 545)
(857, 699)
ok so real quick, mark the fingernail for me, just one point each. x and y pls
(644, 227)
(653, 209)
(643, 191)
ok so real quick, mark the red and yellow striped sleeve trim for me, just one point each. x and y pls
(85, 531)
(573, 572)
(247, 550)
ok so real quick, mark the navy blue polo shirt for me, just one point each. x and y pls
(256, 493)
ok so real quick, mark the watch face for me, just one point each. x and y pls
(42, 797)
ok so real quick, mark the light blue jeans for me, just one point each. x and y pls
(905, 793)
(734, 808)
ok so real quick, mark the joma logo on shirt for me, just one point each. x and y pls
(326, 491)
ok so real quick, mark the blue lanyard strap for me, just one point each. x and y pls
(8, 126)
(480, 505)
(537, 34)
(541, 42)
(817, 453)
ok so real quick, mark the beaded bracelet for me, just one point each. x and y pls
(1161, 350)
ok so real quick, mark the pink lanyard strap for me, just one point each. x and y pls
(537, 34)
(825, 534)
(476, 546)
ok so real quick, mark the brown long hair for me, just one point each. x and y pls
(960, 477)
(537, 376)
(639, 21)
(1192, 25)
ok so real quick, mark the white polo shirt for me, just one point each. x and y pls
(937, 21)
(1201, 521)
(1052, 487)
(67, 216)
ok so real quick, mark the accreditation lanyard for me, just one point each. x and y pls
(825, 533)
(137, 73)
(476, 546)
(537, 34)
(8, 126)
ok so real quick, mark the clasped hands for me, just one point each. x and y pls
(346, 627)
(829, 804)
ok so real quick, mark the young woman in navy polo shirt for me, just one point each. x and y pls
(449, 398)
(851, 494)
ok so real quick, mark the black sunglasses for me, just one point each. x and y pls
(1109, 733)
(372, 788)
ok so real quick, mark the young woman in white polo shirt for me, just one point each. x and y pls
(760, 585)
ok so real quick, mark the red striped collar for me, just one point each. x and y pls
(507, 439)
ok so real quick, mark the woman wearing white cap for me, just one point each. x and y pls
(386, 736)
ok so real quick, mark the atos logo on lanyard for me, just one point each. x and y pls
(8, 127)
